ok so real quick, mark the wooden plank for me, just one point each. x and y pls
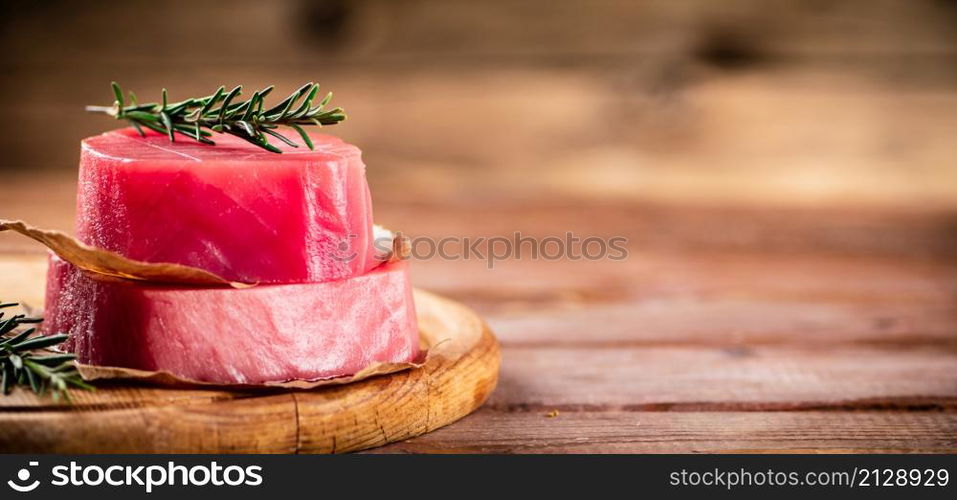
(450, 30)
(802, 138)
(675, 321)
(921, 233)
(118, 397)
(611, 28)
(633, 150)
(730, 378)
(490, 431)
(254, 425)
(806, 287)
(23, 278)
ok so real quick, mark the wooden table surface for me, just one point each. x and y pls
(785, 178)
(725, 330)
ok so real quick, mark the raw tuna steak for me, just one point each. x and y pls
(224, 335)
(233, 209)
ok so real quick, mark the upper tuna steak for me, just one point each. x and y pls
(224, 335)
(233, 209)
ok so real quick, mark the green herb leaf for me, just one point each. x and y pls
(25, 360)
(118, 94)
(249, 120)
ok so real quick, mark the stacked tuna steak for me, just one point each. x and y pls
(299, 224)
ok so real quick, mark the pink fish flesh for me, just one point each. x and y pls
(233, 209)
(225, 335)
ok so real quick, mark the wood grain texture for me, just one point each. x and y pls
(119, 418)
(807, 345)
(491, 431)
(732, 377)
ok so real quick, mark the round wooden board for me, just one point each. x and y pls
(331, 419)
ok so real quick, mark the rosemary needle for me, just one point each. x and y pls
(23, 362)
(198, 117)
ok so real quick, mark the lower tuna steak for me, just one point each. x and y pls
(233, 209)
(223, 335)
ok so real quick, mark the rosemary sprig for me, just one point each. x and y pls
(221, 112)
(24, 362)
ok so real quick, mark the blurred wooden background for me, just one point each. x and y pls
(738, 102)
(785, 171)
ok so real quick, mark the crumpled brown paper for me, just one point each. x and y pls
(92, 373)
(107, 263)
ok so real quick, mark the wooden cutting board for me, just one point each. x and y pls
(124, 418)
